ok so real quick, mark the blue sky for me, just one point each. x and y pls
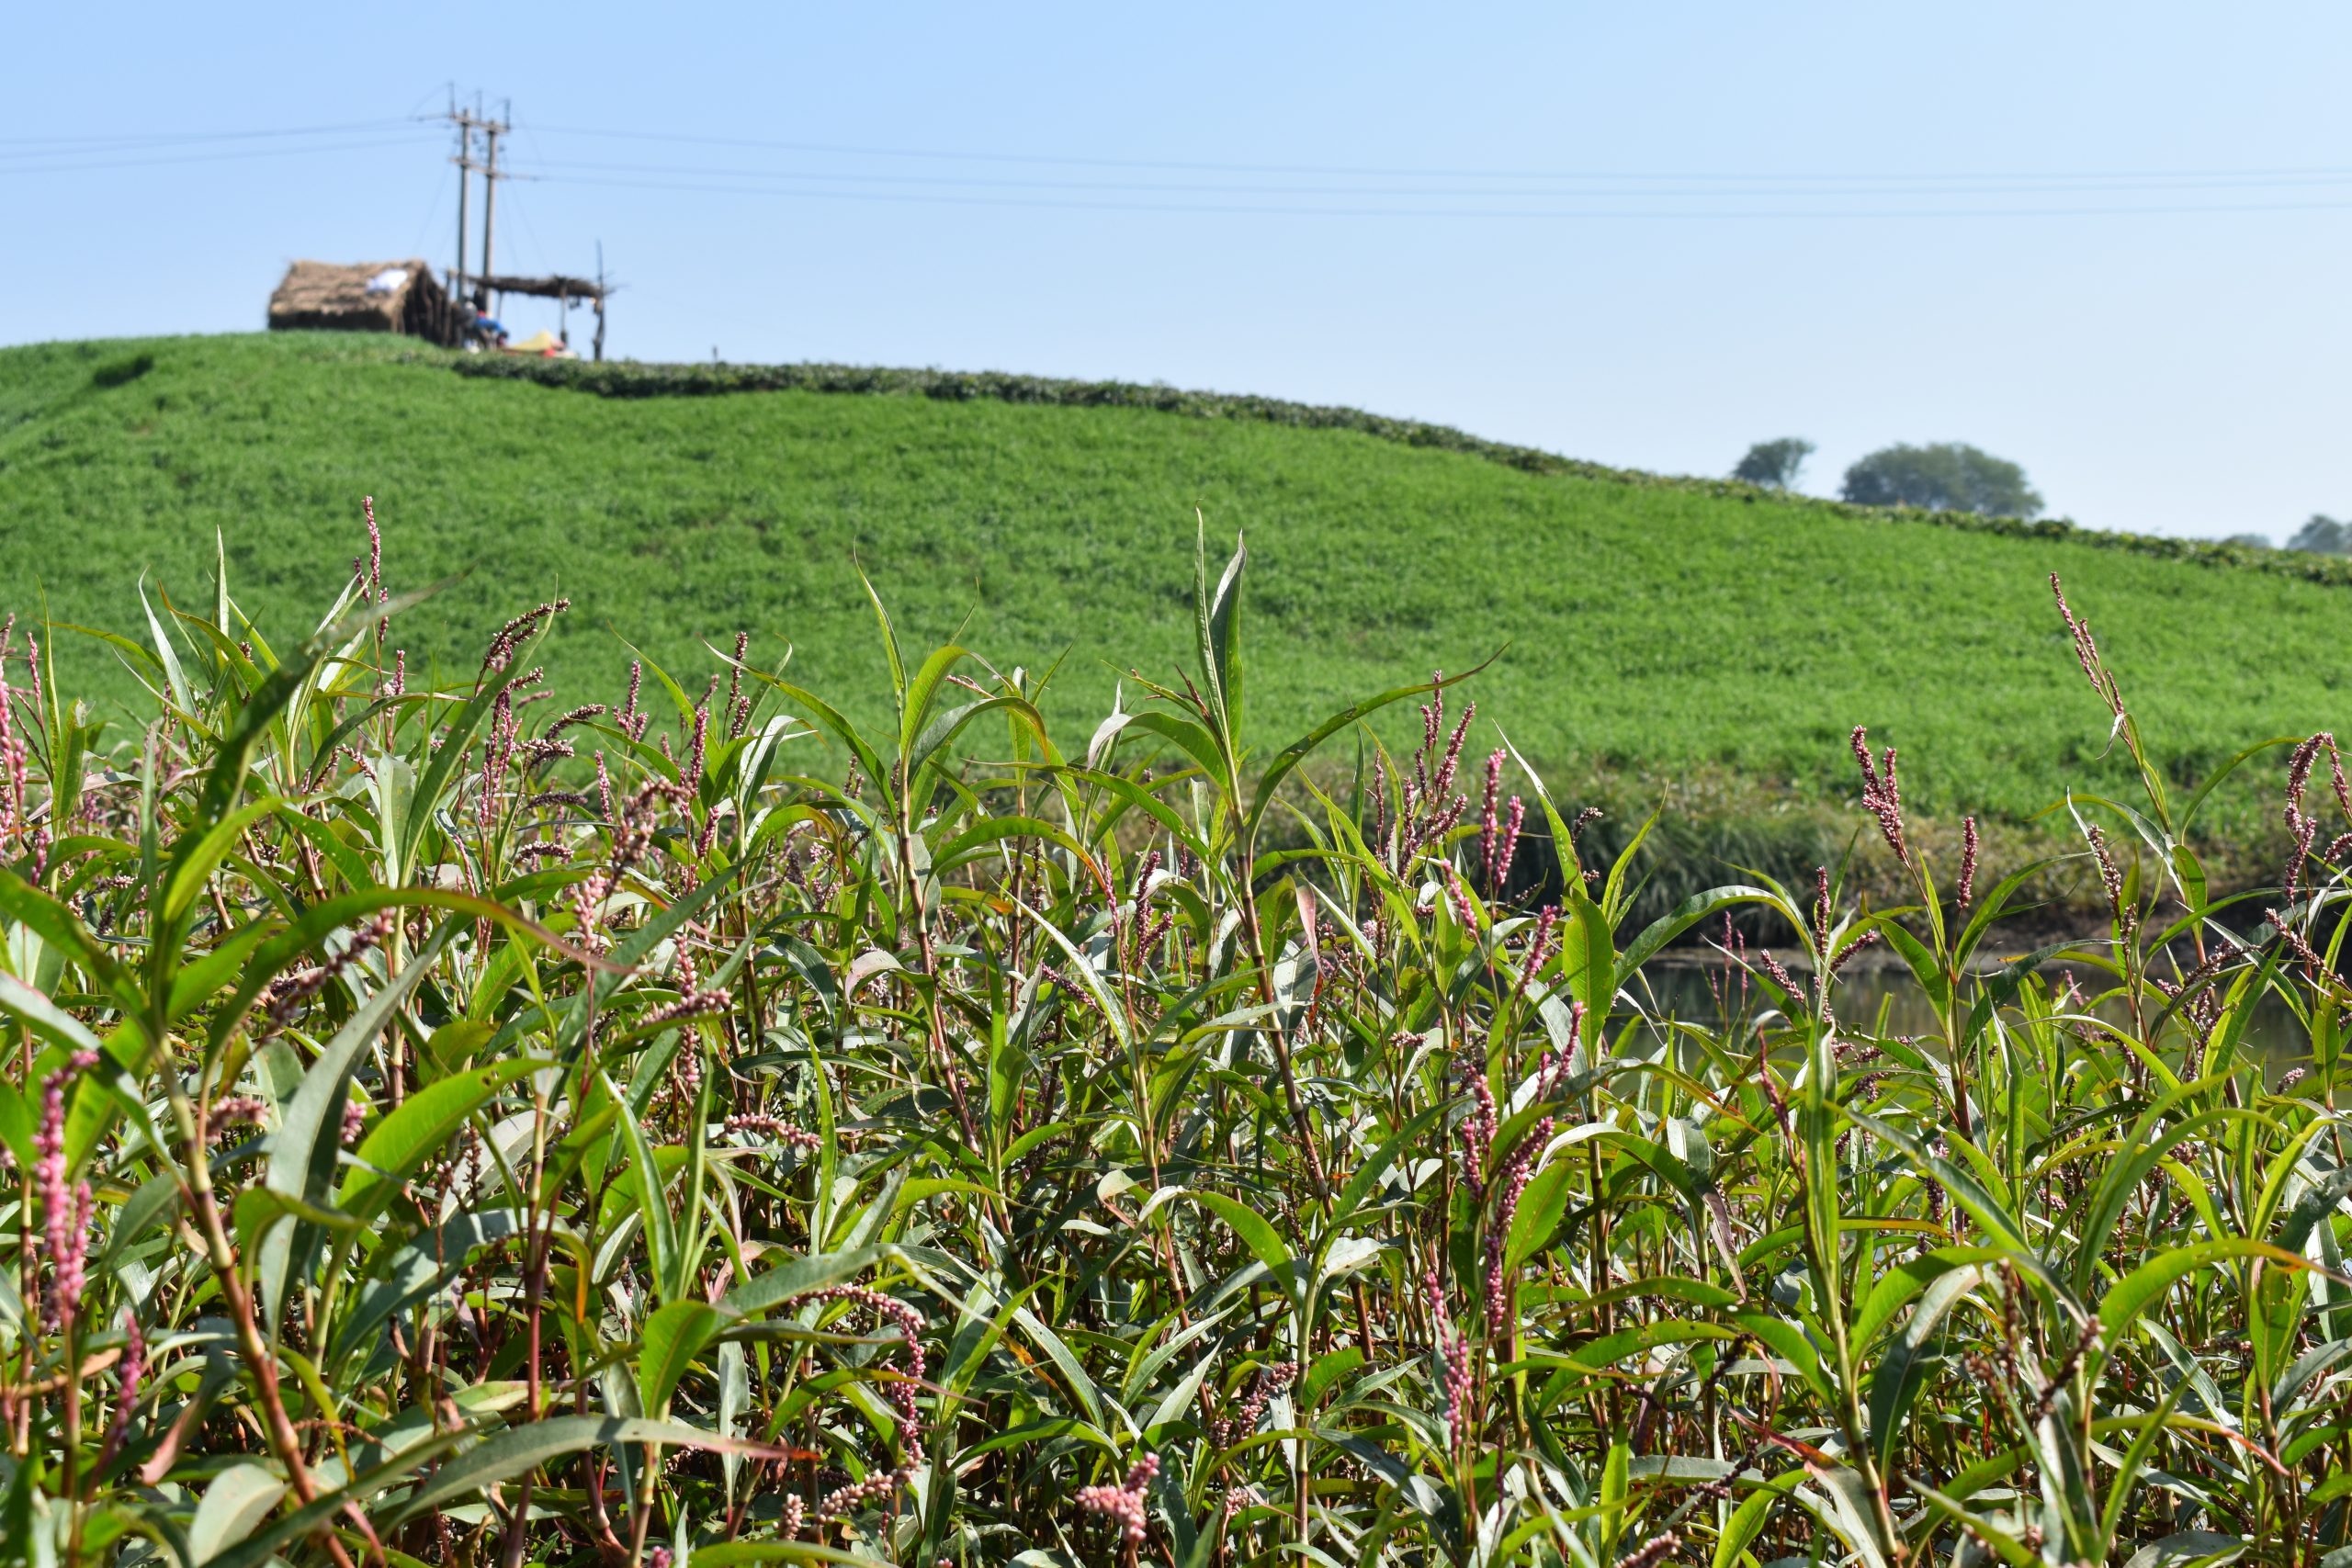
(2106, 240)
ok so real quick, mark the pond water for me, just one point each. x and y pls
(1886, 998)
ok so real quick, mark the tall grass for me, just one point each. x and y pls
(457, 1126)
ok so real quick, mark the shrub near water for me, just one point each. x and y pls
(462, 1126)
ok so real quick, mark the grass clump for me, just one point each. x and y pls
(455, 1123)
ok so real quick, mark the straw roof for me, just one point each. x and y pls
(366, 296)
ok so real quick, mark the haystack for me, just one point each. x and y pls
(370, 297)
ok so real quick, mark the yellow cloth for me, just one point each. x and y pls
(540, 342)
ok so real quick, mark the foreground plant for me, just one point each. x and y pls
(450, 1125)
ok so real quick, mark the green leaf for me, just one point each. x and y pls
(1538, 1215)
(525, 1447)
(1904, 1372)
(644, 1178)
(781, 1285)
(1257, 1233)
(416, 1271)
(673, 1336)
(1747, 1520)
(308, 1140)
(238, 1499)
(2141, 1289)
(421, 1124)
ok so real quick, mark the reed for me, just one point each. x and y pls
(453, 1124)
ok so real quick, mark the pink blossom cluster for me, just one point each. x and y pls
(65, 1210)
(690, 1004)
(1428, 808)
(1511, 1185)
(1229, 1429)
(1453, 1349)
(1539, 950)
(2087, 653)
(1651, 1552)
(369, 579)
(502, 648)
(2301, 826)
(2110, 876)
(288, 993)
(128, 1373)
(1146, 933)
(775, 1127)
(738, 706)
(16, 825)
(1478, 1132)
(1882, 796)
(1499, 845)
(632, 830)
(1124, 1503)
(900, 1393)
(236, 1111)
(632, 722)
(1465, 910)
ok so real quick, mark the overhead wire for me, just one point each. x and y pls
(1070, 161)
(105, 141)
(432, 211)
(1424, 193)
(237, 155)
(2342, 177)
(1241, 209)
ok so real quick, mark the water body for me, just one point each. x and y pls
(1886, 998)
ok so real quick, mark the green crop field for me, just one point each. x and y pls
(1655, 636)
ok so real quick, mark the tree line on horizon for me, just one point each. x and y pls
(1941, 476)
(1952, 476)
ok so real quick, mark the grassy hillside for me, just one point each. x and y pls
(1657, 633)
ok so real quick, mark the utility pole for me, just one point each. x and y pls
(465, 162)
(601, 288)
(491, 130)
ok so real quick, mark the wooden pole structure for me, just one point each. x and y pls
(601, 289)
(490, 130)
(464, 163)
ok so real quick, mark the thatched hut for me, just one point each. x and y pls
(371, 297)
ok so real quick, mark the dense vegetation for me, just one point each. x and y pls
(1946, 476)
(1698, 640)
(961, 1139)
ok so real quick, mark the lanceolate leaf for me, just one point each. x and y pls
(304, 1151)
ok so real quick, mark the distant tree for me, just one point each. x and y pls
(2323, 535)
(1948, 476)
(1774, 464)
(2259, 541)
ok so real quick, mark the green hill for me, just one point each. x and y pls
(1700, 639)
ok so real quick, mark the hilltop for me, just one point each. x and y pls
(1697, 637)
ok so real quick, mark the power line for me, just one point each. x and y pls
(937, 155)
(440, 188)
(240, 155)
(1237, 210)
(2335, 178)
(107, 141)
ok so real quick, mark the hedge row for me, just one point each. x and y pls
(631, 378)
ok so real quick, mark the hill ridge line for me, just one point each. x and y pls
(634, 378)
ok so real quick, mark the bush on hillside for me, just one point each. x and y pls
(1947, 475)
(2323, 535)
(1775, 464)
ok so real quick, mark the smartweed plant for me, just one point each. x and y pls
(448, 1124)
